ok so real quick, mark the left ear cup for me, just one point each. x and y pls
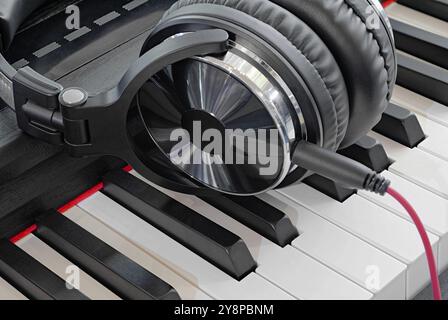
(311, 58)
(338, 105)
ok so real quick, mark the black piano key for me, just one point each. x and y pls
(257, 215)
(420, 43)
(32, 278)
(108, 266)
(401, 125)
(423, 77)
(329, 187)
(368, 152)
(217, 245)
(435, 8)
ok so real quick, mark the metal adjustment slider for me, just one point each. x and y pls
(73, 97)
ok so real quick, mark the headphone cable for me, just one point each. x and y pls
(352, 174)
(425, 239)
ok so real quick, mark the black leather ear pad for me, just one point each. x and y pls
(365, 55)
(328, 85)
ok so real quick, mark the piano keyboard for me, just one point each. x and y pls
(135, 240)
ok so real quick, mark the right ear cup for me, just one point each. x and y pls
(364, 49)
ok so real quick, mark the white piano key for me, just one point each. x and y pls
(436, 142)
(418, 166)
(432, 209)
(374, 224)
(9, 293)
(418, 19)
(288, 268)
(419, 104)
(186, 290)
(343, 252)
(63, 268)
(184, 262)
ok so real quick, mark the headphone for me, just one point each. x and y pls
(315, 71)
(318, 73)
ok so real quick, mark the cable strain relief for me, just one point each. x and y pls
(377, 184)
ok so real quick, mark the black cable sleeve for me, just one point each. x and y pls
(345, 171)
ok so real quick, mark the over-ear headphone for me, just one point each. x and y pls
(314, 70)
(318, 73)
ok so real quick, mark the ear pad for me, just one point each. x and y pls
(323, 76)
(366, 55)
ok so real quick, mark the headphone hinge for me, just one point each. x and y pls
(37, 106)
(76, 132)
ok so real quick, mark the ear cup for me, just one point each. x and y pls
(365, 53)
(323, 75)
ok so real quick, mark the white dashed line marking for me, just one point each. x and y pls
(20, 64)
(47, 49)
(77, 34)
(134, 4)
(107, 18)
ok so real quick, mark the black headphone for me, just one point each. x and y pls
(315, 70)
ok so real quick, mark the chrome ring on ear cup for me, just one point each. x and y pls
(265, 42)
(203, 86)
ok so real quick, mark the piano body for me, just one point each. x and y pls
(122, 237)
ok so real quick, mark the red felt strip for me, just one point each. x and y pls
(388, 3)
(25, 233)
(81, 198)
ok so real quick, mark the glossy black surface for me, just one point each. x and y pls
(30, 277)
(209, 240)
(110, 267)
(257, 215)
(99, 40)
(423, 77)
(34, 176)
(421, 43)
(13, 145)
(48, 184)
(12, 14)
(401, 125)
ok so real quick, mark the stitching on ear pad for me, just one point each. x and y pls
(331, 96)
(381, 35)
(365, 56)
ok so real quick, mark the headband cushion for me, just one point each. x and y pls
(328, 89)
(363, 50)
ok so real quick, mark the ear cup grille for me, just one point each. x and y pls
(221, 121)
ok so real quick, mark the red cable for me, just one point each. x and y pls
(427, 244)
